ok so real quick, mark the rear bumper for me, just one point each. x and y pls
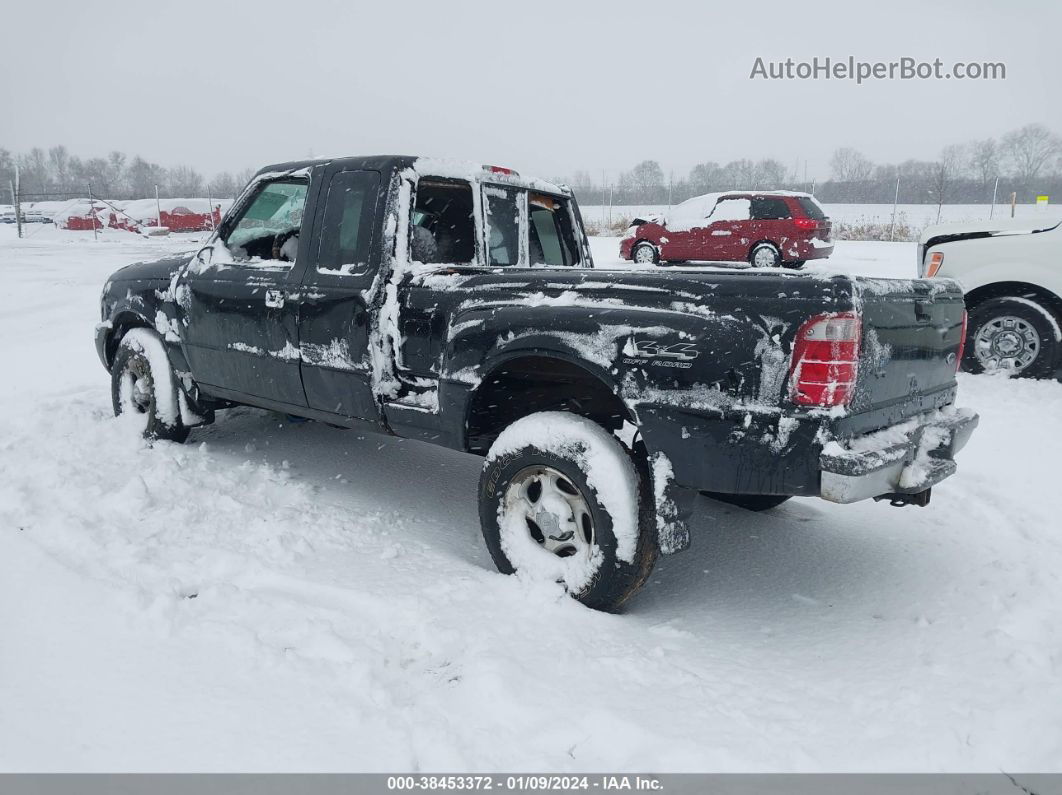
(806, 249)
(906, 459)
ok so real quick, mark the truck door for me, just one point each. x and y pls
(241, 333)
(334, 316)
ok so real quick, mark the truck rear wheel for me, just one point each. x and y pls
(143, 385)
(561, 500)
(1014, 334)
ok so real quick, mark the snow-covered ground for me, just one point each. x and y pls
(277, 596)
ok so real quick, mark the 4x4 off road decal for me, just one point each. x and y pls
(658, 354)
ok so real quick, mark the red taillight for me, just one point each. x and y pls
(962, 341)
(805, 223)
(501, 170)
(825, 360)
(934, 265)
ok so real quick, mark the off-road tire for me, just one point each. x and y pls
(615, 580)
(1048, 351)
(133, 367)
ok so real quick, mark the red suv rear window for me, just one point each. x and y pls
(811, 208)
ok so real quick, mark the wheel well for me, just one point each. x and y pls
(1041, 295)
(121, 325)
(770, 243)
(522, 386)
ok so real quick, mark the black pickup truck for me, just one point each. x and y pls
(459, 305)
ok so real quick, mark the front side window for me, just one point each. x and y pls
(347, 223)
(731, 210)
(444, 225)
(268, 228)
(551, 236)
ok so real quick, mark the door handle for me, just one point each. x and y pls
(274, 298)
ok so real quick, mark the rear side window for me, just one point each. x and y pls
(551, 238)
(444, 226)
(503, 225)
(769, 208)
(811, 208)
(348, 220)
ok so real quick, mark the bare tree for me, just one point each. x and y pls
(59, 161)
(704, 177)
(738, 175)
(849, 165)
(1029, 150)
(116, 172)
(184, 182)
(984, 160)
(143, 177)
(224, 186)
(944, 173)
(7, 171)
(647, 176)
(770, 173)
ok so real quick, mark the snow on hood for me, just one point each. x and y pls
(996, 226)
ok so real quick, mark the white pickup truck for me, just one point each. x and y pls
(1011, 274)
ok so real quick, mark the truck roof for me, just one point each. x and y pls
(427, 166)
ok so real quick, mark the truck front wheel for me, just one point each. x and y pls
(143, 385)
(1013, 334)
(561, 500)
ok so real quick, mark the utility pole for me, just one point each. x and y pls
(210, 209)
(92, 215)
(158, 208)
(610, 206)
(1013, 202)
(992, 211)
(602, 197)
(895, 201)
(16, 196)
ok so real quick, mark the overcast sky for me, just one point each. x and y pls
(546, 88)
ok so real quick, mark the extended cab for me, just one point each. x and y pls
(459, 305)
(1011, 273)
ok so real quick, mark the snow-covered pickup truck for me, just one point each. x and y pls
(1011, 272)
(458, 305)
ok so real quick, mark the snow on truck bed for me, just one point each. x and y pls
(292, 597)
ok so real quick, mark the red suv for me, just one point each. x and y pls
(765, 228)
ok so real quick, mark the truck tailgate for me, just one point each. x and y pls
(912, 331)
